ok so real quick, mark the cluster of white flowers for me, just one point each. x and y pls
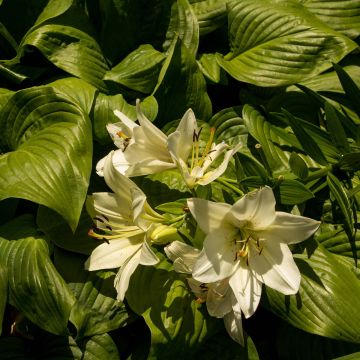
(246, 243)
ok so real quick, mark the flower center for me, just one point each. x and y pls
(124, 139)
(198, 157)
(245, 238)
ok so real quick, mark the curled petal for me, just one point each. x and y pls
(182, 255)
(218, 301)
(147, 256)
(233, 324)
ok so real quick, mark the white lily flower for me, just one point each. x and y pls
(122, 220)
(194, 164)
(218, 296)
(247, 243)
(142, 148)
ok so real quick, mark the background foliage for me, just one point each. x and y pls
(280, 77)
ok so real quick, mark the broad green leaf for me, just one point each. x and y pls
(307, 142)
(35, 287)
(230, 127)
(177, 322)
(183, 25)
(260, 129)
(53, 9)
(181, 86)
(250, 166)
(298, 166)
(8, 45)
(336, 129)
(175, 207)
(66, 40)
(211, 14)
(279, 43)
(57, 231)
(353, 356)
(293, 192)
(337, 241)
(341, 15)
(3, 292)
(300, 345)
(209, 67)
(101, 347)
(139, 71)
(96, 310)
(329, 291)
(47, 149)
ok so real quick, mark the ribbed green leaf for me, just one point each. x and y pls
(96, 310)
(307, 142)
(279, 43)
(177, 322)
(341, 15)
(35, 287)
(181, 79)
(353, 356)
(211, 14)
(139, 70)
(329, 293)
(47, 149)
(293, 192)
(350, 162)
(230, 127)
(64, 36)
(337, 242)
(3, 292)
(183, 25)
(274, 157)
(101, 347)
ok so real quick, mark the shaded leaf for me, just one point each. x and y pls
(293, 192)
(101, 347)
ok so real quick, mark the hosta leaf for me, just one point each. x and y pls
(211, 14)
(260, 129)
(177, 322)
(230, 126)
(328, 293)
(337, 242)
(67, 41)
(139, 70)
(209, 67)
(3, 292)
(101, 347)
(298, 166)
(181, 79)
(353, 356)
(299, 345)
(183, 24)
(293, 192)
(96, 311)
(279, 43)
(35, 287)
(341, 15)
(47, 151)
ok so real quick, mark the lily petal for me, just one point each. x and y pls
(150, 165)
(216, 260)
(147, 256)
(114, 254)
(129, 124)
(182, 255)
(218, 301)
(233, 324)
(209, 215)
(122, 278)
(257, 207)
(246, 288)
(276, 267)
(290, 229)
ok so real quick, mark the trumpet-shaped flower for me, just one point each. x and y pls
(122, 220)
(142, 148)
(219, 297)
(247, 243)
